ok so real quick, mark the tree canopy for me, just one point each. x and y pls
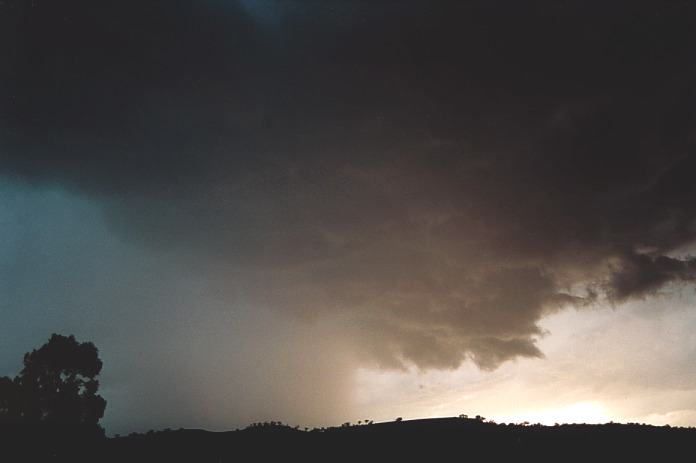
(57, 385)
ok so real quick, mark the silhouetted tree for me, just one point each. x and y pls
(57, 385)
(9, 400)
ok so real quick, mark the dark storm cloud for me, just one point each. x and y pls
(438, 175)
(641, 275)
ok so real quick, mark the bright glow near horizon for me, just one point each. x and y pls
(609, 381)
(581, 412)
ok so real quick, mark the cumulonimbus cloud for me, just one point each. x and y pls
(437, 177)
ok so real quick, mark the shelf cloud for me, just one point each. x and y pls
(435, 178)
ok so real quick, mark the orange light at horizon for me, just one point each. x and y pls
(579, 412)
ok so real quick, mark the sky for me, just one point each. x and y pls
(328, 211)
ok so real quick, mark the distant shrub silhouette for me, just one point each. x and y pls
(56, 386)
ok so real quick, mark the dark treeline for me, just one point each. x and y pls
(51, 410)
(422, 440)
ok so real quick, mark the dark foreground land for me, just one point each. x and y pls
(418, 440)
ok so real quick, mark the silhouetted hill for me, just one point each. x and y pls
(424, 440)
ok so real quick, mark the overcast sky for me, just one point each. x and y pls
(322, 211)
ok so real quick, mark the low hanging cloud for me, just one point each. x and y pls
(436, 177)
(640, 276)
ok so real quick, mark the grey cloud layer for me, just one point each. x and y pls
(439, 177)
